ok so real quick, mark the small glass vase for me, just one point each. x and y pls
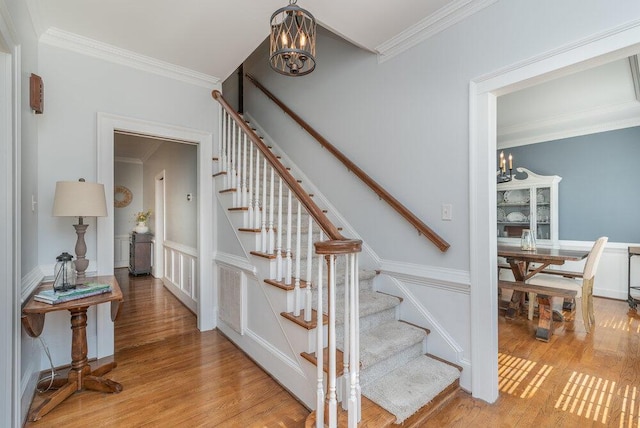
(528, 241)
(141, 227)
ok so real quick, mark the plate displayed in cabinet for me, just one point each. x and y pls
(516, 216)
(516, 196)
(543, 214)
(540, 196)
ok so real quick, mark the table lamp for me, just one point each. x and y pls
(79, 199)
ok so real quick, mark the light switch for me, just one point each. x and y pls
(447, 212)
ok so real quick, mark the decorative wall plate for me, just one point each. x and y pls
(121, 197)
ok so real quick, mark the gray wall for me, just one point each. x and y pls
(598, 194)
(127, 174)
(179, 161)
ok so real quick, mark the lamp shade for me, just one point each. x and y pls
(79, 199)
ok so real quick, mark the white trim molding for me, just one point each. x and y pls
(444, 18)
(83, 45)
(29, 283)
(107, 125)
(453, 280)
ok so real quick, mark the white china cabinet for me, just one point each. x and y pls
(529, 203)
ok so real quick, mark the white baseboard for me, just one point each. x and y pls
(180, 295)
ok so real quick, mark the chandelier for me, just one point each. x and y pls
(502, 175)
(293, 41)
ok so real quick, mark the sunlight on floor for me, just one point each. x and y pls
(622, 323)
(587, 396)
(512, 371)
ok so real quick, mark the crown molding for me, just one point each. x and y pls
(608, 118)
(442, 19)
(83, 45)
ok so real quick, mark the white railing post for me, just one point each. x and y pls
(354, 353)
(347, 334)
(319, 352)
(279, 273)
(332, 402)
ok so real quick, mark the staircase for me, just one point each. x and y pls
(397, 381)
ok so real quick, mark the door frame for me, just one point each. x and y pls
(159, 225)
(616, 43)
(10, 260)
(107, 125)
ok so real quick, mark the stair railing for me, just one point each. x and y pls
(262, 187)
(421, 227)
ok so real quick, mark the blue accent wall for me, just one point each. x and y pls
(599, 194)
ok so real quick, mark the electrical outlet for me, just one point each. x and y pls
(447, 212)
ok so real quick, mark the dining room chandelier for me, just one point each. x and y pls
(292, 41)
(502, 175)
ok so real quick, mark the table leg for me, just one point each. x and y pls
(545, 319)
(514, 305)
(80, 376)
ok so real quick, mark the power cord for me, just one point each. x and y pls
(53, 373)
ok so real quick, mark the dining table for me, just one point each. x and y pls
(527, 263)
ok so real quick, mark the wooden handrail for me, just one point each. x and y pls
(422, 228)
(314, 211)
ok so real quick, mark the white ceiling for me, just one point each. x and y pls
(595, 100)
(214, 37)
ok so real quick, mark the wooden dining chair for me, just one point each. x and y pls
(581, 282)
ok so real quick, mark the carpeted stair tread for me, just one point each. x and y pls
(385, 340)
(371, 302)
(408, 388)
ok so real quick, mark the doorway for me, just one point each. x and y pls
(610, 46)
(108, 124)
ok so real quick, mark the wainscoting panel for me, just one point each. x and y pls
(231, 297)
(180, 272)
(121, 250)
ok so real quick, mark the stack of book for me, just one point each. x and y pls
(80, 292)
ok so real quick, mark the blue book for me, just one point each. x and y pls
(80, 292)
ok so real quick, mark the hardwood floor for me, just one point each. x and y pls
(575, 380)
(173, 375)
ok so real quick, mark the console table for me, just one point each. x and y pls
(80, 375)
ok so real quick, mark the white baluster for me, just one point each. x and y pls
(243, 202)
(232, 160)
(225, 158)
(279, 274)
(263, 233)
(308, 303)
(354, 387)
(220, 139)
(257, 214)
(288, 264)
(332, 402)
(250, 192)
(296, 289)
(347, 333)
(319, 352)
(270, 230)
(356, 336)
